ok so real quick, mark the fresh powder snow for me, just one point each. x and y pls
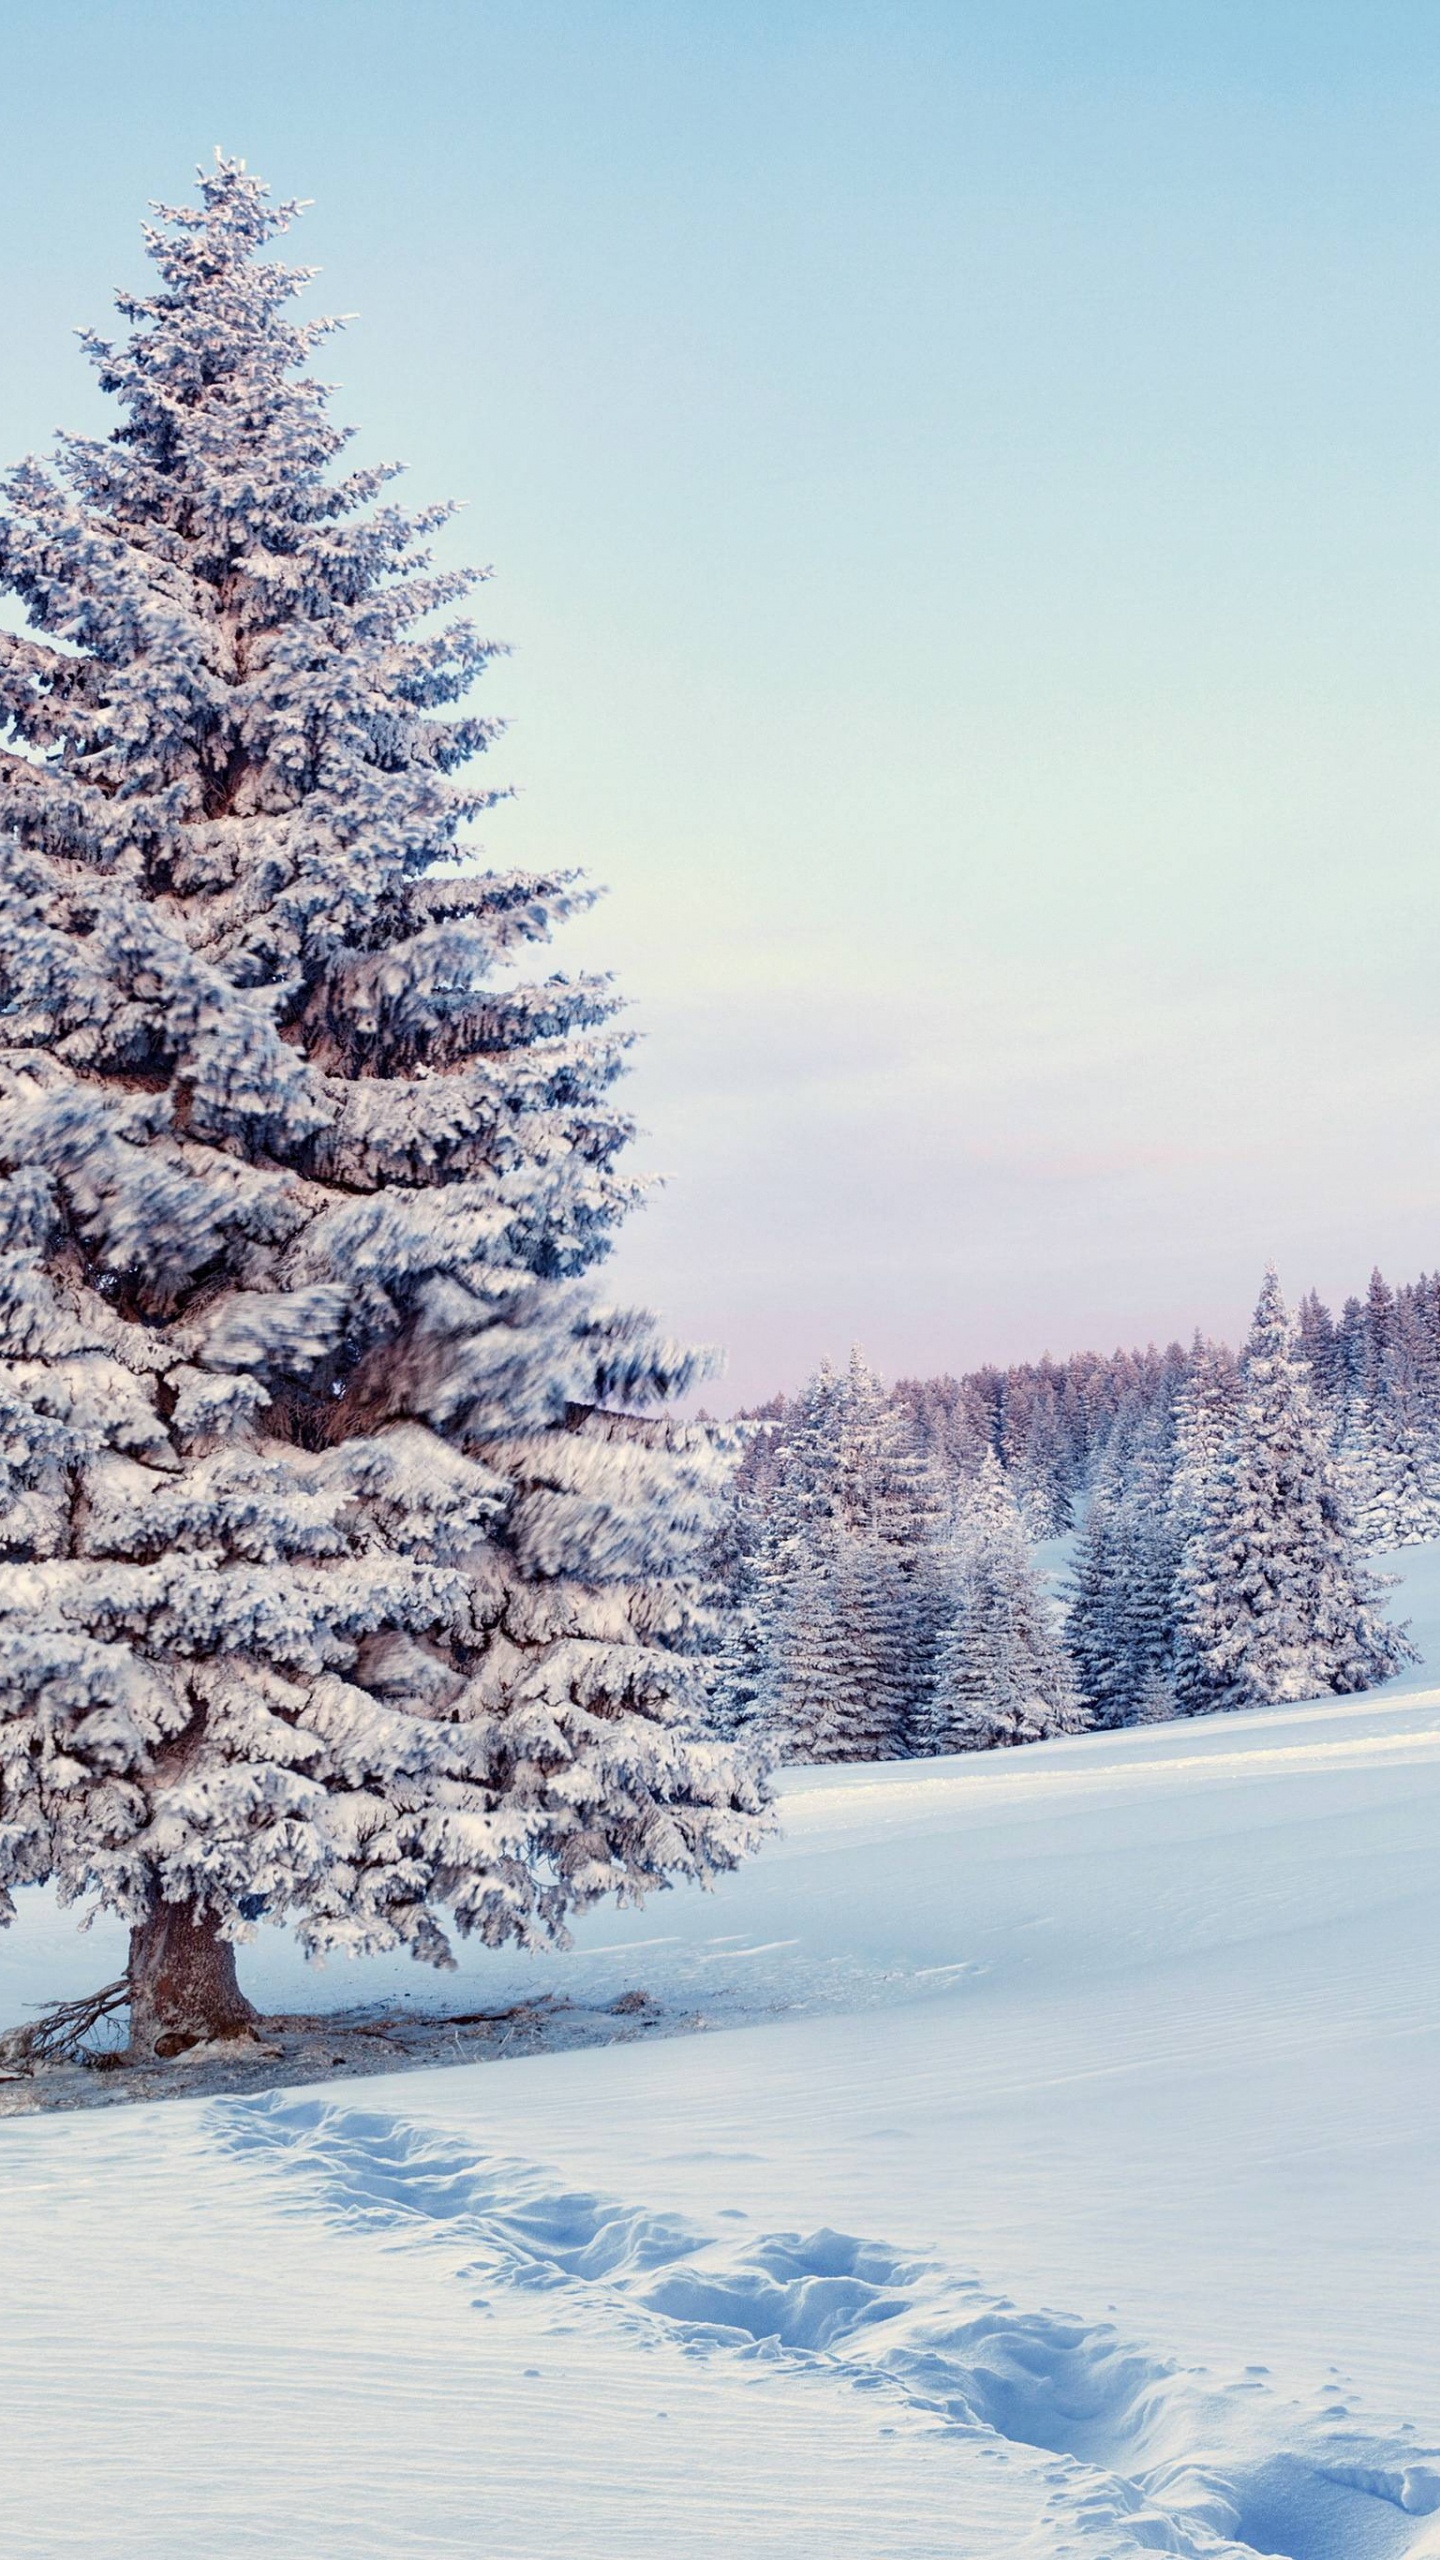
(1055, 2177)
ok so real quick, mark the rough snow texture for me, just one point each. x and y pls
(329, 1583)
(1065, 2192)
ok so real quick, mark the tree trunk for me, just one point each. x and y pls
(183, 1986)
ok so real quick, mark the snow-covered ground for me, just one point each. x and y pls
(1063, 2182)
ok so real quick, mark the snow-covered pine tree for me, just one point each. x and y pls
(948, 1421)
(840, 1675)
(1389, 1450)
(1319, 1344)
(871, 1453)
(1367, 1478)
(1273, 1597)
(890, 1503)
(1416, 1388)
(737, 1665)
(803, 1476)
(1206, 1406)
(1094, 1614)
(1351, 1361)
(1120, 1619)
(1040, 1468)
(780, 1523)
(335, 1585)
(778, 1517)
(1155, 1699)
(1002, 1673)
(1379, 1330)
(1206, 1409)
(841, 1515)
(806, 1706)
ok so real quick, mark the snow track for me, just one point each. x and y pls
(1145, 2026)
(1152, 2456)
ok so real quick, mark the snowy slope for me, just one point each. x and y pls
(1066, 2185)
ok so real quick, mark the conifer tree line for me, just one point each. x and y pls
(1375, 1373)
(881, 1596)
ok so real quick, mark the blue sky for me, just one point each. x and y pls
(962, 486)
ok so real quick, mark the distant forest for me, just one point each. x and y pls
(879, 1590)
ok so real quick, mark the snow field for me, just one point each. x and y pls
(864, 2316)
(1067, 2187)
(233, 2377)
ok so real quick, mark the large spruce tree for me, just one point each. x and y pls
(339, 1579)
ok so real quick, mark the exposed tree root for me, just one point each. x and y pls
(59, 2033)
